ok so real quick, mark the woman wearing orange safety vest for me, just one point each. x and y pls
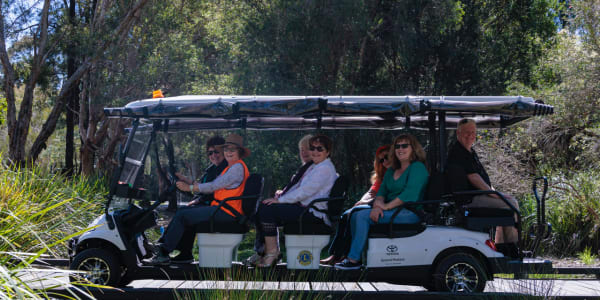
(230, 183)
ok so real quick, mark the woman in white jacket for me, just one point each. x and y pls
(315, 183)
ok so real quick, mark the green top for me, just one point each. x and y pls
(410, 187)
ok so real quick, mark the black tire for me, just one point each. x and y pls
(102, 266)
(459, 273)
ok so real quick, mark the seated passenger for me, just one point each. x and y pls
(316, 183)
(341, 242)
(216, 167)
(230, 183)
(404, 182)
(259, 243)
(463, 157)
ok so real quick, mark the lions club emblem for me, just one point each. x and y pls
(305, 258)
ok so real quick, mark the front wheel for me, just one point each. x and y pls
(100, 266)
(459, 273)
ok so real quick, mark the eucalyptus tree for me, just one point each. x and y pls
(39, 24)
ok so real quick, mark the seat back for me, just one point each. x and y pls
(254, 187)
(339, 189)
(436, 188)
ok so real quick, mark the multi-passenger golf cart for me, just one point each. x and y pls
(440, 253)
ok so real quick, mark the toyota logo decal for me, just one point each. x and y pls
(392, 248)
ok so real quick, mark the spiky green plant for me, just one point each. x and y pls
(586, 256)
(39, 211)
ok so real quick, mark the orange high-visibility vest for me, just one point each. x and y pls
(224, 193)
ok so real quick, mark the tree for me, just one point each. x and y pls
(116, 28)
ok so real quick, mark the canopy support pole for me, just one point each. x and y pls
(443, 140)
(433, 147)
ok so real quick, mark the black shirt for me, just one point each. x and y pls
(461, 163)
(210, 174)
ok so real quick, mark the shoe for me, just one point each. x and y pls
(269, 260)
(348, 265)
(253, 260)
(158, 260)
(183, 259)
(332, 260)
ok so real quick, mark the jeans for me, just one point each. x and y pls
(340, 245)
(184, 221)
(361, 221)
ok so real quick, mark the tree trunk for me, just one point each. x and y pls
(18, 127)
(120, 34)
(72, 99)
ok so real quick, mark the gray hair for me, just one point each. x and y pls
(304, 141)
(464, 122)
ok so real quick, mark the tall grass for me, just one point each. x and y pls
(38, 212)
(573, 209)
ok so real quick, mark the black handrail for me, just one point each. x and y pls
(223, 203)
(312, 205)
(542, 228)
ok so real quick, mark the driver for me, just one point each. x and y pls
(217, 165)
(230, 183)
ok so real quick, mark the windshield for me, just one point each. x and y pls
(135, 159)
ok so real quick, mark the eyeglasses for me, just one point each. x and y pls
(403, 146)
(211, 152)
(381, 160)
(230, 149)
(318, 148)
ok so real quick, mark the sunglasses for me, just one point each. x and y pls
(230, 149)
(318, 148)
(383, 159)
(211, 152)
(403, 146)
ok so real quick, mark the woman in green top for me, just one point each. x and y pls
(405, 181)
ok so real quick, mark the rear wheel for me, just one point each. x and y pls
(100, 267)
(459, 273)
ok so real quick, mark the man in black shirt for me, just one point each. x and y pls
(467, 173)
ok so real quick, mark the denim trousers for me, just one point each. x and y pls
(340, 245)
(360, 222)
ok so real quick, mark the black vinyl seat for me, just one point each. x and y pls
(307, 224)
(475, 218)
(484, 219)
(240, 224)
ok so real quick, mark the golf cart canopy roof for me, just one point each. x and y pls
(306, 112)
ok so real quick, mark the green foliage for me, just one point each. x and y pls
(572, 207)
(38, 212)
(587, 257)
(2, 110)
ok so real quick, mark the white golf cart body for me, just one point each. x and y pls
(411, 259)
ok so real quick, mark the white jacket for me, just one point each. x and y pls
(316, 183)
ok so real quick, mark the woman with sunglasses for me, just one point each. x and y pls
(217, 165)
(404, 182)
(306, 159)
(230, 183)
(315, 183)
(341, 241)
